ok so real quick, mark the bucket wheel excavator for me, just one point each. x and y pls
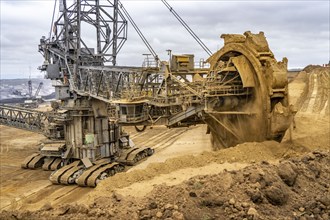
(240, 92)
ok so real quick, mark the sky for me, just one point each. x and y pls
(298, 30)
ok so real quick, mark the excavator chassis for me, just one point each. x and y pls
(92, 149)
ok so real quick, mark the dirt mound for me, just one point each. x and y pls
(296, 188)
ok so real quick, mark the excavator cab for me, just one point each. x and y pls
(132, 113)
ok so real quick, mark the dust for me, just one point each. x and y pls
(230, 130)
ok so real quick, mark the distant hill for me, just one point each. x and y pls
(18, 88)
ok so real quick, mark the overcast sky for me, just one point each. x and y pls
(298, 30)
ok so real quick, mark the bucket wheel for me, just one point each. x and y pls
(247, 93)
(237, 115)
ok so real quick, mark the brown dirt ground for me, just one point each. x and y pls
(185, 179)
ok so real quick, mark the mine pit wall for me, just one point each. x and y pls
(299, 90)
(312, 91)
(321, 104)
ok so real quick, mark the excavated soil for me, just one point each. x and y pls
(295, 188)
(185, 179)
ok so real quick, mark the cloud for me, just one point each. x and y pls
(298, 30)
(22, 25)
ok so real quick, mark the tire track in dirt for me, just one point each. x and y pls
(169, 140)
(18, 175)
(46, 194)
(14, 195)
(177, 142)
(4, 149)
(163, 138)
(137, 134)
(154, 139)
(54, 195)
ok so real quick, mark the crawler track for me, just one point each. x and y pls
(33, 161)
(92, 176)
(134, 155)
(67, 174)
(77, 173)
(52, 164)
